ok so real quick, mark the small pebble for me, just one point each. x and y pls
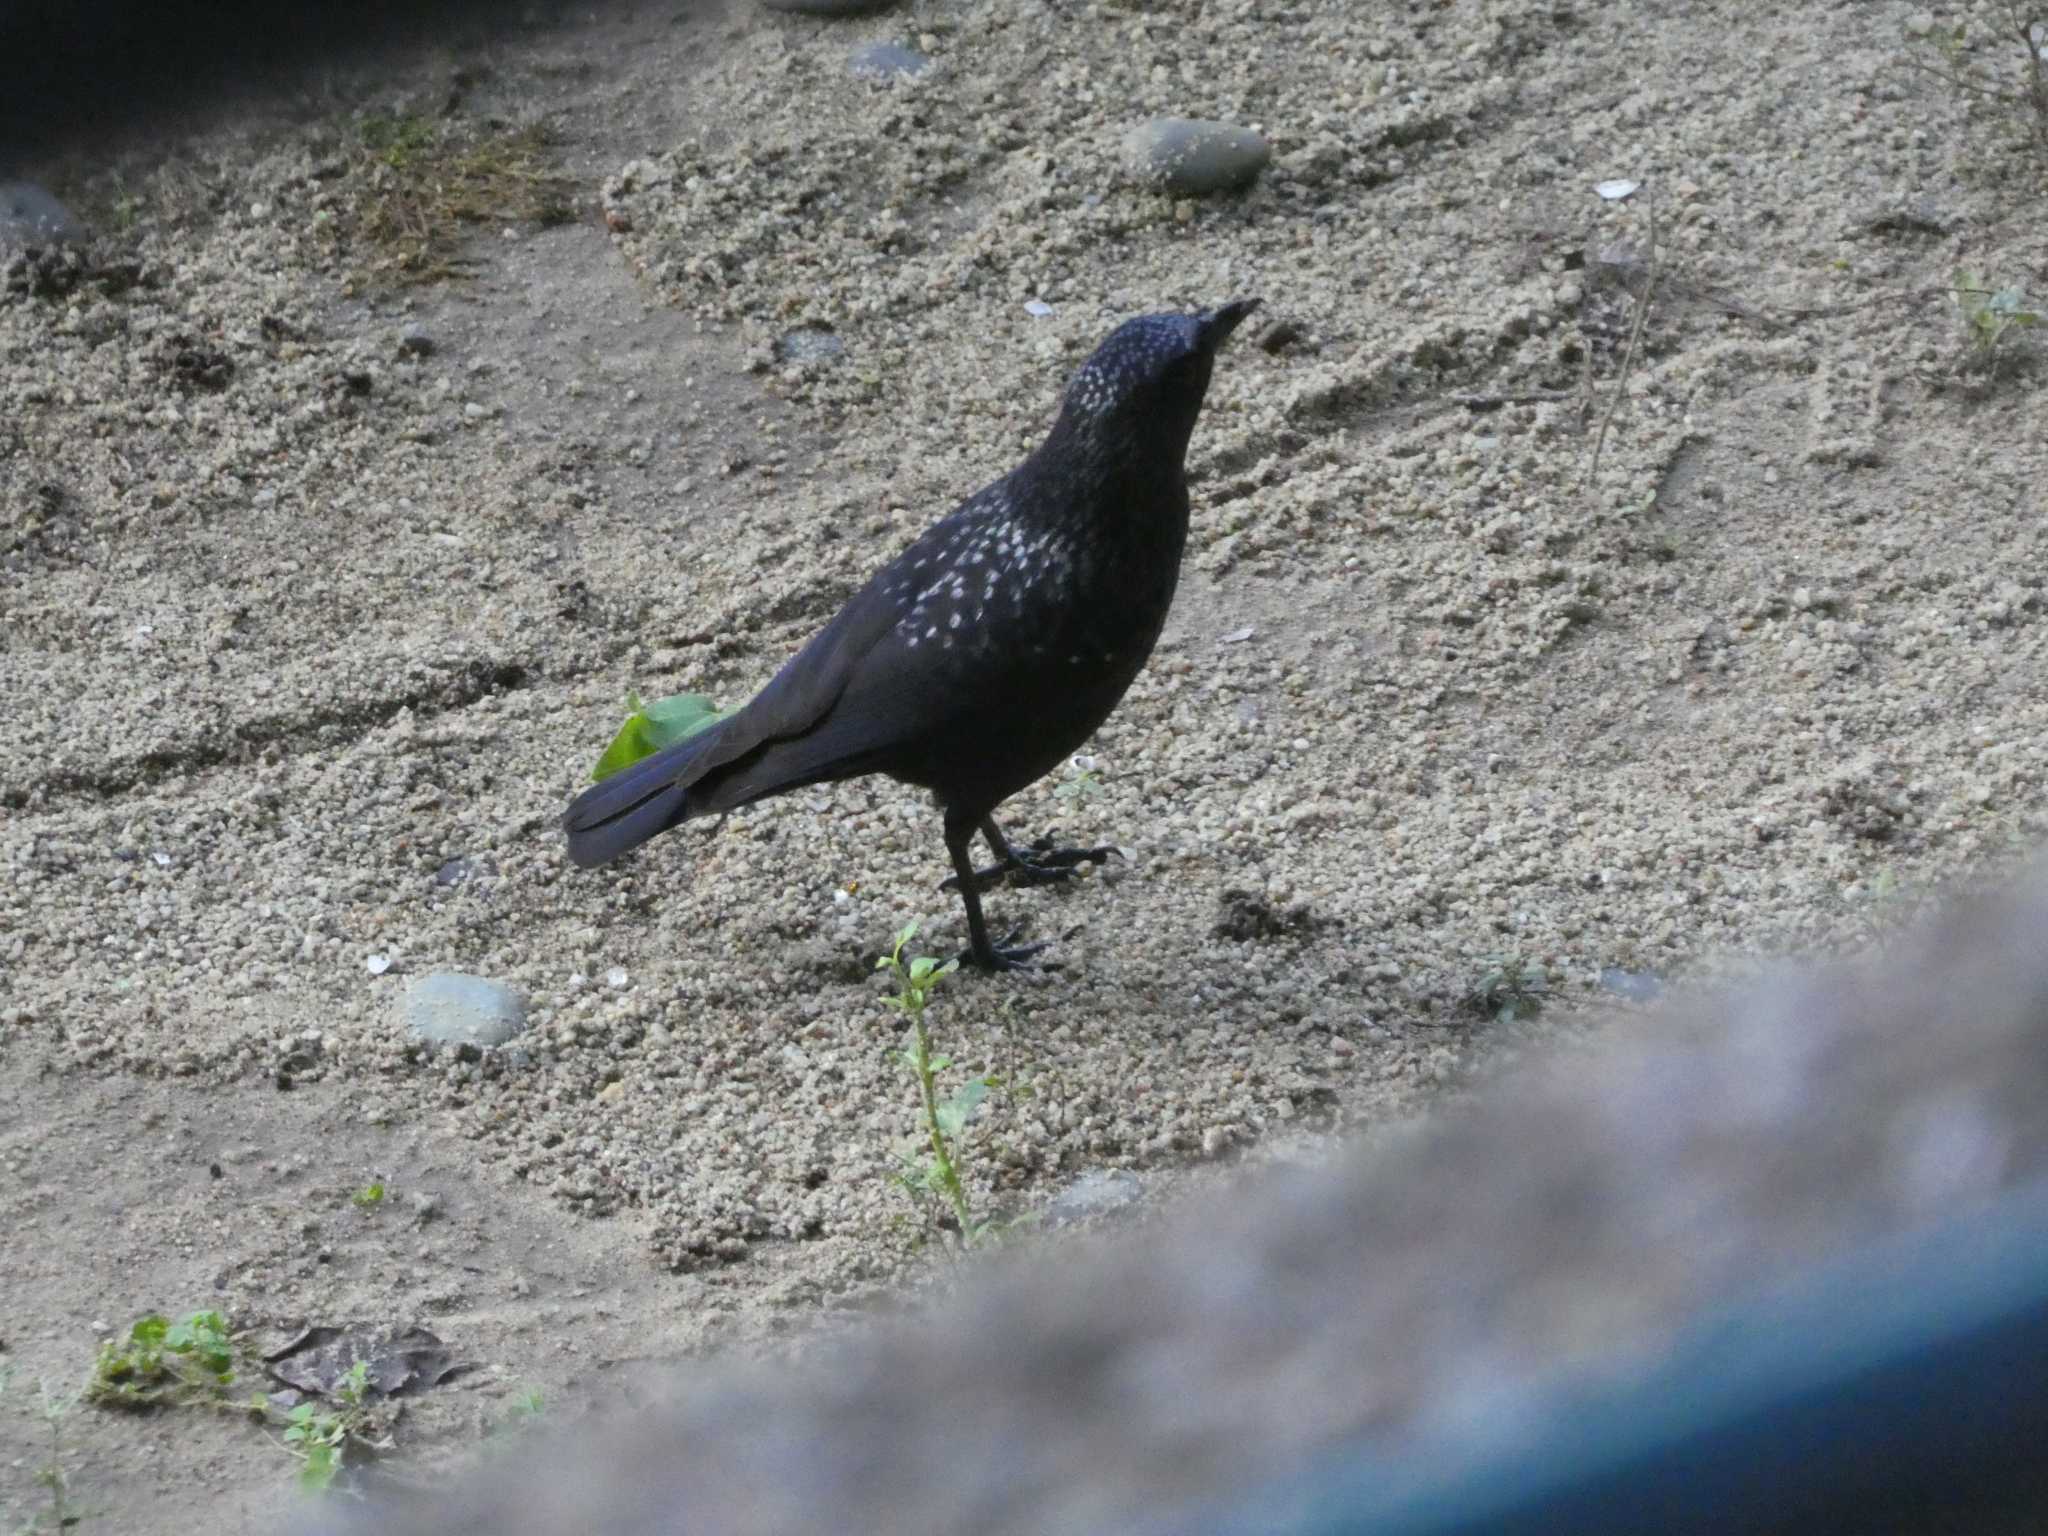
(887, 61)
(449, 1008)
(1636, 986)
(30, 216)
(1095, 1193)
(414, 341)
(809, 344)
(1191, 157)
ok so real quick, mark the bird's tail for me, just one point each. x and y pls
(638, 802)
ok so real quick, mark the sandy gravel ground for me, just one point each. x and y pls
(306, 635)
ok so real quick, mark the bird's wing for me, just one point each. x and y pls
(802, 695)
(872, 680)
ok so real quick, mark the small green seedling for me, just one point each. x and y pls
(1990, 314)
(369, 1194)
(650, 727)
(938, 1173)
(1084, 786)
(1509, 989)
(320, 1434)
(2025, 98)
(53, 1410)
(162, 1361)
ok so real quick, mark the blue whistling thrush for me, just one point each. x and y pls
(986, 652)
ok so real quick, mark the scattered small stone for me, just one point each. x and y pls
(31, 217)
(809, 344)
(377, 965)
(1618, 189)
(1920, 24)
(450, 1008)
(455, 871)
(827, 7)
(1037, 309)
(1095, 1193)
(415, 341)
(1192, 157)
(887, 61)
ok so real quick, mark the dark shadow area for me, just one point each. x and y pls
(75, 74)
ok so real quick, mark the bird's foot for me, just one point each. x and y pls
(1008, 955)
(1040, 864)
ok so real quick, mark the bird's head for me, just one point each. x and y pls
(1144, 385)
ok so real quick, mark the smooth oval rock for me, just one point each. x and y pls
(827, 7)
(450, 1008)
(887, 61)
(30, 216)
(1191, 157)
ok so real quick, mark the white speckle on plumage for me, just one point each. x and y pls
(932, 631)
(954, 622)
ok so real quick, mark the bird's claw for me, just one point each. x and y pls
(1041, 864)
(1009, 955)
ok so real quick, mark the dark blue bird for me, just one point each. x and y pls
(989, 650)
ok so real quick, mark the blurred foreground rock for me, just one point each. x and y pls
(1570, 1218)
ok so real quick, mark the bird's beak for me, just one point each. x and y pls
(1217, 324)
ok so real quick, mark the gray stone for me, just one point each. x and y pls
(1095, 1193)
(827, 7)
(1191, 157)
(809, 344)
(29, 216)
(887, 61)
(415, 341)
(449, 1008)
(1636, 986)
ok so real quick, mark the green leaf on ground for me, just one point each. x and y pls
(653, 726)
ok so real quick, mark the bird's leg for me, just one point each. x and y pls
(1040, 864)
(979, 953)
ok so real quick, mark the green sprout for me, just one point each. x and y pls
(1989, 314)
(162, 1360)
(1509, 989)
(321, 1435)
(938, 1172)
